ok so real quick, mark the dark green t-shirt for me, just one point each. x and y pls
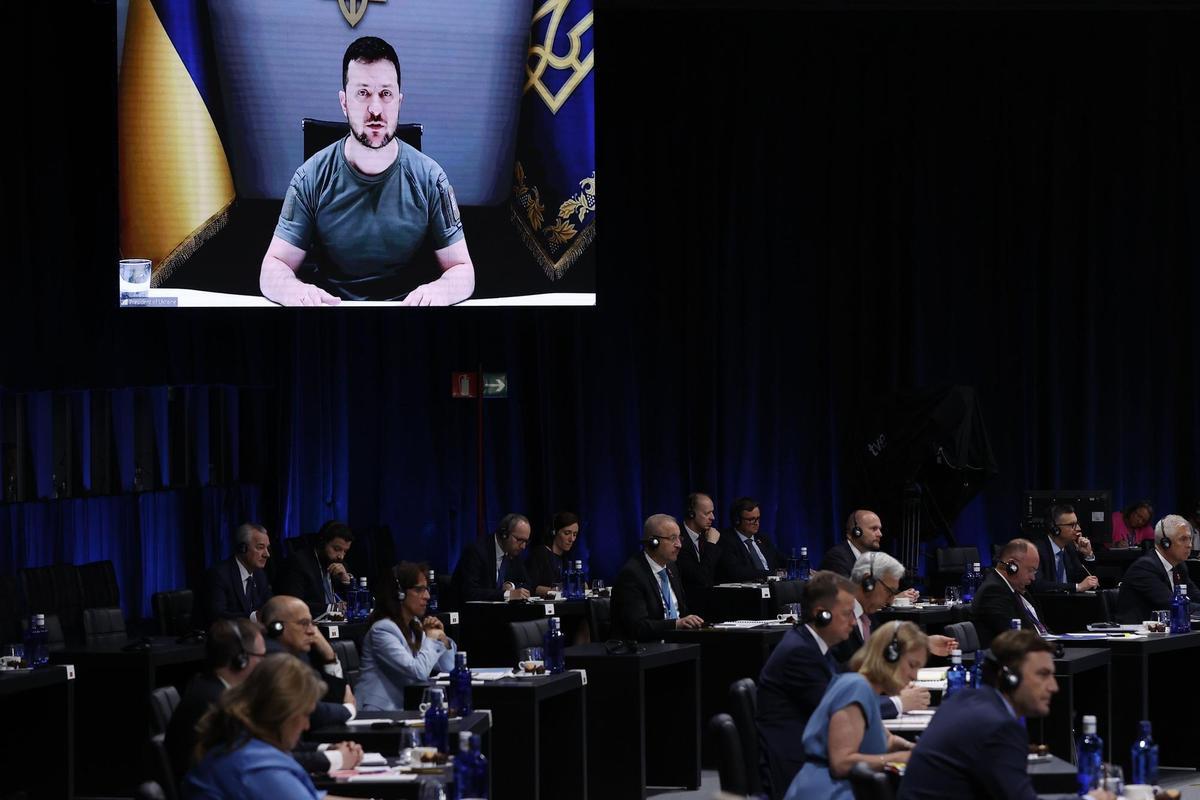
(368, 227)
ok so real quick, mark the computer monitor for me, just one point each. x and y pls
(1092, 506)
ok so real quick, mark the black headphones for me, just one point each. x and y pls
(690, 505)
(401, 591)
(822, 618)
(275, 629)
(1007, 679)
(1164, 541)
(243, 547)
(868, 580)
(652, 542)
(240, 658)
(1011, 567)
(856, 531)
(893, 651)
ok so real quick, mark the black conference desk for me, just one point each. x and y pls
(483, 626)
(37, 755)
(540, 727)
(1151, 677)
(750, 600)
(643, 717)
(113, 702)
(1061, 611)
(1084, 677)
(386, 740)
(931, 619)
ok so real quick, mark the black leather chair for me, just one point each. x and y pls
(965, 633)
(527, 633)
(731, 764)
(868, 784)
(164, 776)
(173, 612)
(786, 593)
(743, 705)
(103, 626)
(949, 564)
(1108, 602)
(98, 585)
(163, 702)
(319, 134)
(347, 654)
(599, 618)
(55, 590)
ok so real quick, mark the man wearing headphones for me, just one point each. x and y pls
(795, 677)
(1001, 597)
(647, 597)
(977, 745)
(237, 587)
(1149, 583)
(863, 533)
(317, 575)
(1062, 552)
(290, 629)
(749, 555)
(700, 553)
(491, 568)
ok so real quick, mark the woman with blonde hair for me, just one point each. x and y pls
(846, 728)
(244, 743)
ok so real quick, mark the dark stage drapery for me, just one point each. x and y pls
(802, 211)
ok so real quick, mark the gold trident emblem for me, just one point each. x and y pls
(544, 56)
(353, 10)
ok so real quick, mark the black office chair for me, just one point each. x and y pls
(949, 565)
(103, 626)
(347, 654)
(319, 134)
(743, 705)
(599, 618)
(98, 585)
(870, 785)
(965, 633)
(54, 590)
(163, 702)
(527, 633)
(786, 593)
(173, 612)
(731, 764)
(1108, 602)
(164, 775)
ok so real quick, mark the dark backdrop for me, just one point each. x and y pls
(802, 211)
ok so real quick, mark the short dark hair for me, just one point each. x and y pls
(391, 583)
(1009, 649)
(741, 506)
(227, 639)
(1134, 506)
(368, 50)
(690, 503)
(334, 529)
(1058, 511)
(821, 590)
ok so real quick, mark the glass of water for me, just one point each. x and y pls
(952, 595)
(134, 278)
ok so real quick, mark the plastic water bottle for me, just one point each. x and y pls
(460, 686)
(577, 590)
(1143, 757)
(554, 646)
(977, 670)
(803, 570)
(956, 676)
(1181, 621)
(479, 770)
(464, 784)
(365, 602)
(432, 606)
(36, 652)
(1090, 753)
(437, 723)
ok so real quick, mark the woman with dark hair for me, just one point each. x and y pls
(402, 645)
(1131, 524)
(546, 561)
(244, 743)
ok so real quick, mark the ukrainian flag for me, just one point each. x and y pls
(175, 183)
(554, 188)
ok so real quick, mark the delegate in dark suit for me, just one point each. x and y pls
(475, 576)
(995, 606)
(637, 605)
(839, 558)
(329, 710)
(1146, 588)
(739, 564)
(790, 687)
(223, 594)
(697, 565)
(304, 577)
(1047, 578)
(974, 747)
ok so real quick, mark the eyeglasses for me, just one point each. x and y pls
(422, 589)
(891, 592)
(1073, 525)
(303, 623)
(752, 520)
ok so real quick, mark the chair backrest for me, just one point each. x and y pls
(731, 765)
(965, 633)
(173, 611)
(953, 560)
(743, 705)
(319, 134)
(164, 776)
(868, 784)
(1108, 601)
(163, 702)
(347, 654)
(98, 585)
(12, 608)
(527, 633)
(54, 590)
(599, 618)
(102, 625)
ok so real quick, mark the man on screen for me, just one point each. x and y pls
(369, 202)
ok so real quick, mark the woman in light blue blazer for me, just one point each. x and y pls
(402, 645)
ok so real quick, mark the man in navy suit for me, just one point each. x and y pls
(1149, 583)
(794, 679)
(748, 555)
(317, 575)
(1001, 597)
(489, 569)
(864, 532)
(700, 553)
(976, 745)
(1062, 552)
(647, 597)
(238, 586)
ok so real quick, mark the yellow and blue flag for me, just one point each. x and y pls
(176, 186)
(554, 186)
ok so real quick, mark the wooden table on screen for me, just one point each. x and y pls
(643, 717)
(37, 741)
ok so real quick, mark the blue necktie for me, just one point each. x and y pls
(756, 555)
(666, 593)
(502, 573)
(1062, 568)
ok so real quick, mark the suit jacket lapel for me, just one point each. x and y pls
(239, 587)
